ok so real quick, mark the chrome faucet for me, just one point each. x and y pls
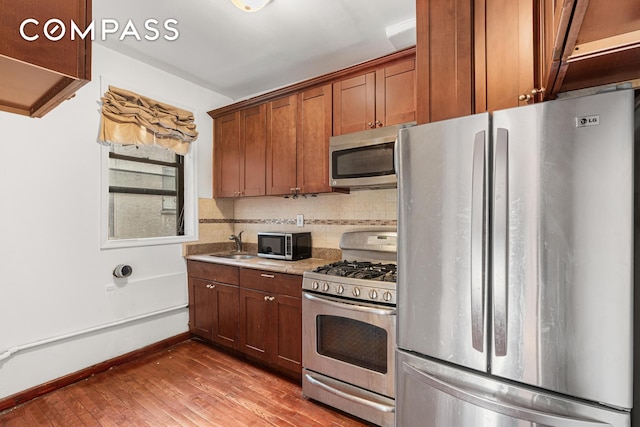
(238, 240)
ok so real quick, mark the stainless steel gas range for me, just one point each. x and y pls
(349, 328)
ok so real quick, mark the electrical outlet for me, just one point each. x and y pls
(300, 220)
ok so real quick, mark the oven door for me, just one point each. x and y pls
(350, 341)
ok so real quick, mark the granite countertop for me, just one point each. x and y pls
(278, 266)
(206, 252)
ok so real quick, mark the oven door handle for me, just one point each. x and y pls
(375, 405)
(361, 308)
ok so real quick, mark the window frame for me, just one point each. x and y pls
(189, 230)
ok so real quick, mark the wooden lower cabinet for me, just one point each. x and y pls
(214, 312)
(271, 318)
(256, 312)
(213, 303)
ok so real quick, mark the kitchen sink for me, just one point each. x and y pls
(234, 256)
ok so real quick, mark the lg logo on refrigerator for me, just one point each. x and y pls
(587, 121)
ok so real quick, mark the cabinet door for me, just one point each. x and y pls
(254, 143)
(601, 45)
(65, 56)
(509, 54)
(444, 61)
(255, 334)
(281, 145)
(201, 303)
(314, 131)
(225, 313)
(227, 155)
(354, 103)
(396, 94)
(287, 324)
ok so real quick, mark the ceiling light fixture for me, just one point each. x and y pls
(250, 5)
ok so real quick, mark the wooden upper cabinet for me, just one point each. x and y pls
(381, 97)
(284, 135)
(240, 152)
(396, 94)
(508, 69)
(444, 56)
(281, 146)
(227, 155)
(253, 135)
(354, 107)
(37, 75)
(314, 131)
(600, 44)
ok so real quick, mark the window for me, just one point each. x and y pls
(146, 192)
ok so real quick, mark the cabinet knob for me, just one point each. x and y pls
(210, 286)
(378, 123)
(371, 125)
(268, 298)
(528, 96)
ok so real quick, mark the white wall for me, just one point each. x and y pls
(54, 274)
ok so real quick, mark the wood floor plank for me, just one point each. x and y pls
(190, 384)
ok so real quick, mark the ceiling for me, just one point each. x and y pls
(239, 54)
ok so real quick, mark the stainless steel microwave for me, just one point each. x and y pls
(286, 246)
(364, 159)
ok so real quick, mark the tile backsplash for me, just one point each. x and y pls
(326, 216)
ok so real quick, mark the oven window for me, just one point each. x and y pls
(352, 341)
(373, 160)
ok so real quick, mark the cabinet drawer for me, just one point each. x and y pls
(269, 281)
(215, 272)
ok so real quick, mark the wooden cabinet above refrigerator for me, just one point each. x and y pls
(597, 42)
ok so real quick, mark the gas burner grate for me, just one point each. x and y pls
(360, 270)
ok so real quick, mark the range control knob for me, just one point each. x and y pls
(356, 292)
(373, 294)
(340, 289)
(325, 287)
(315, 285)
(387, 296)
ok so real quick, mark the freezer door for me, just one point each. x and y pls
(563, 245)
(431, 394)
(443, 207)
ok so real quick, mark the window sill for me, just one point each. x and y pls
(149, 241)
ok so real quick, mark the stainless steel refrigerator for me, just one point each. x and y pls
(515, 257)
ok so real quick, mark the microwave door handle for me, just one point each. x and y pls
(500, 241)
(477, 242)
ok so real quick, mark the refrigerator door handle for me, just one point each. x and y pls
(477, 242)
(489, 402)
(500, 241)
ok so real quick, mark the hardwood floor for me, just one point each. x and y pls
(191, 384)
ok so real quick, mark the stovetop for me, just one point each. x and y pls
(360, 270)
(358, 280)
(368, 272)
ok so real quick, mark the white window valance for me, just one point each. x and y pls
(129, 118)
